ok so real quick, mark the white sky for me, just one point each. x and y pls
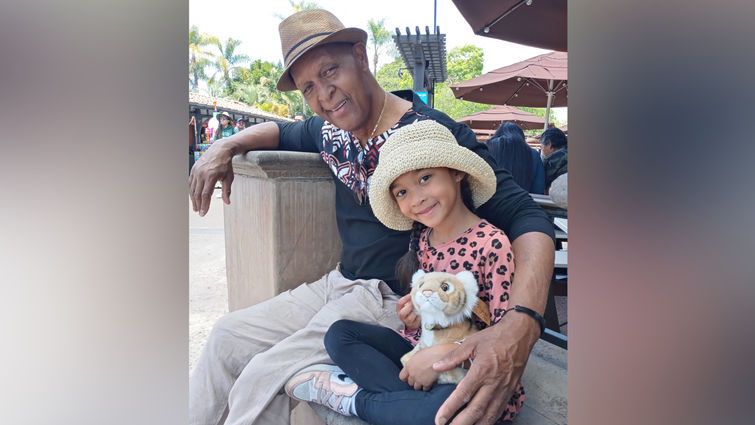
(255, 24)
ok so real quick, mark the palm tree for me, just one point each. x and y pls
(378, 36)
(228, 61)
(214, 87)
(199, 59)
(246, 93)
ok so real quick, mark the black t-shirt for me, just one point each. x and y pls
(371, 250)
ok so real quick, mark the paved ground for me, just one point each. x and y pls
(208, 292)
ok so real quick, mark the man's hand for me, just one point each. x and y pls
(500, 354)
(215, 163)
(419, 372)
(213, 166)
(406, 313)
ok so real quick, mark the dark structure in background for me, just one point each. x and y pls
(425, 56)
(201, 107)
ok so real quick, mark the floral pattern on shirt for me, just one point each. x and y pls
(349, 162)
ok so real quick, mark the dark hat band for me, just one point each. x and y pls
(285, 58)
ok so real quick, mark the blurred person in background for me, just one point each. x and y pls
(534, 143)
(240, 125)
(511, 152)
(192, 141)
(225, 128)
(203, 133)
(554, 153)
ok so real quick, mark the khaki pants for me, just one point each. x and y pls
(251, 353)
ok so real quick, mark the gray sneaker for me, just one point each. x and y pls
(323, 384)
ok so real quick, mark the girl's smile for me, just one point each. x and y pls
(432, 196)
(428, 210)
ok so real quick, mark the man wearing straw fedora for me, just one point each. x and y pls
(251, 353)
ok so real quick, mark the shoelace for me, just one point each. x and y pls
(324, 395)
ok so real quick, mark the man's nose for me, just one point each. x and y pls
(325, 92)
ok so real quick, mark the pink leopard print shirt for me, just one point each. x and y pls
(485, 251)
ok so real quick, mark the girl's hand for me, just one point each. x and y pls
(405, 311)
(419, 372)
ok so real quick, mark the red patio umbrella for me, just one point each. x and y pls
(538, 82)
(536, 23)
(491, 119)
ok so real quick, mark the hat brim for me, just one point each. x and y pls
(482, 180)
(346, 35)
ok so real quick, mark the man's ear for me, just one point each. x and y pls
(359, 50)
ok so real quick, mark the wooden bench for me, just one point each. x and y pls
(279, 196)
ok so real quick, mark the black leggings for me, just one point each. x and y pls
(370, 355)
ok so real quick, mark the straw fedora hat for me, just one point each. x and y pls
(304, 30)
(424, 144)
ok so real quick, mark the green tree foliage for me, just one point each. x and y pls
(453, 107)
(214, 87)
(238, 77)
(228, 62)
(246, 93)
(199, 57)
(298, 6)
(378, 36)
(391, 76)
(540, 112)
(462, 64)
(275, 108)
(263, 69)
(255, 85)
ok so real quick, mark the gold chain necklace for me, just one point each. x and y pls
(385, 100)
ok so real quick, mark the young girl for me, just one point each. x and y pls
(425, 182)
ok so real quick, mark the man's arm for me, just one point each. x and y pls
(215, 163)
(501, 351)
(511, 208)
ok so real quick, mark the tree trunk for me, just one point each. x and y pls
(196, 72)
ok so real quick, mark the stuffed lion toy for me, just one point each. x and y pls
(445, 303)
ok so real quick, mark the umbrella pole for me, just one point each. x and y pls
(548, 105)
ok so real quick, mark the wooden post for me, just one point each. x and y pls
(280, 228)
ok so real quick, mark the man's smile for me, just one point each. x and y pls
(339, 106)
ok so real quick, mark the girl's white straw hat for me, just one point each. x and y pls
(424, 144)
